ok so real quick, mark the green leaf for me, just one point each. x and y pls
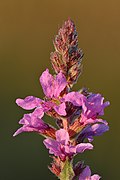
(67, 172)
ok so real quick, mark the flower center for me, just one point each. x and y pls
(56, 101)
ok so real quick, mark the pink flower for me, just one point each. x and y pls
(94, 106)
(91, 107)
(62, 146)
(90, 131)
(52, 87)
(76, 98)
(33, 123)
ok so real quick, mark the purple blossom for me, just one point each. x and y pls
(91, 107)
(52, 87)
(32, 122)
(86, 175)
(76, 98)
(62, 146)
(94, 106)
(90, 131)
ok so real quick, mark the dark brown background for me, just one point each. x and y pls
(27, 28)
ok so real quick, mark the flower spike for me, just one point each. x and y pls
(77, 114)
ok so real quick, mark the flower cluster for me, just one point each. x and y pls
(77, 114)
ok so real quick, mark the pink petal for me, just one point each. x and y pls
(47, 105)
(94, 106)
(31, 123)
(60, 109)
(75, 98)
(53, 146)
(24, 129)
(38, 113)
(59, 84)
(86, 174)
(86, 120)
(62, 136)
(94, 130)
(83, 146)
(95, 177)
(30, 102)
(70, 150)
(47, 83)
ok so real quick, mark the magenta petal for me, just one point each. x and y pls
(86, 174)
(75, 98)
(86, 120)
(94, 106)
(59, 84)
(70, 150)
(38, 113)
(102, 121)
(19, 131)
(47, 83)
(107, 103)
(98, 129)
(47, 105)
(94, 130)
(95, 177)
(30, 102)
(31, 123)
(91, 121)
(60, 109)
(26, 119)
(62, 136)
(33, 118)
(53, 146)
(83, 146)
(37, 123)
(25, 129)
(52, 86)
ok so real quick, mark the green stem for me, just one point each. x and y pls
(67, 172)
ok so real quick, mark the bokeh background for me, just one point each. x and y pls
(27, 29)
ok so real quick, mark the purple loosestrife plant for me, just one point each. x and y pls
(77, 114)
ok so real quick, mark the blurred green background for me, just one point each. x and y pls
(27, 29)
